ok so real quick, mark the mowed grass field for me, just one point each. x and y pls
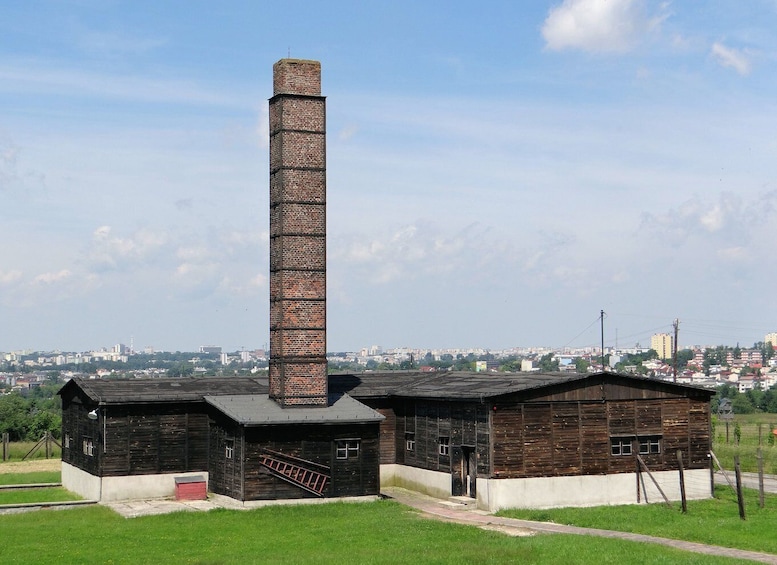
(382, 532)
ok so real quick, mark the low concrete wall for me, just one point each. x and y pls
(432, 483)
(142, 486)
(554, 492)
(80, 482)
(588, 490)
(130, 487)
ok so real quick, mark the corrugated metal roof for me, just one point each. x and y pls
(176, 389)
(260, 410)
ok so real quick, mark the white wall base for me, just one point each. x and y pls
(554, 492)
(589, 490)
(129, 487)
(80, 482)
(432, 483)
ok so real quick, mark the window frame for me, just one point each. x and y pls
(347, 449)
(87, 446)
(445, 446)
(621, 446)
(410, 441)
(650, 445)
(229, 448)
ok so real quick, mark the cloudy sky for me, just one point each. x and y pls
(497, 173)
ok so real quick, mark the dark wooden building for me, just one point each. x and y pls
(261, 451)
(478, 431)
(121, 436)
(133, 438)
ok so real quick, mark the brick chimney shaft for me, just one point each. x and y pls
(298, 366)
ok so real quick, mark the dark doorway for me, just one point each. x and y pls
(468, 471)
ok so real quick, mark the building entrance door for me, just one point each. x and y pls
(468, 471)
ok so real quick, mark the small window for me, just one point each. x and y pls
(410, 441)
(649, 445)
(229, 448)
(66, 441)
(88, 446)
(445, 445)
(620, 446)
(347, 448)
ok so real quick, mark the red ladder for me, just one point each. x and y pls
(311, 481)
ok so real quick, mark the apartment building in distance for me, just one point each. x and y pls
(663, 345)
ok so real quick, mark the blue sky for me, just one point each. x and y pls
(497, 175)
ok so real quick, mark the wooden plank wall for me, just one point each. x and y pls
(78, 426)
(351, 477)
(143, 440)
(465, 423)
(571, 438)
(225, 475)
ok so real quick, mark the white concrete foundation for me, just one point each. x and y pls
(129, 487)
(589, 490)
(432, 483)
(555, 492)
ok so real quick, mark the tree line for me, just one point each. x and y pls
(28, 416)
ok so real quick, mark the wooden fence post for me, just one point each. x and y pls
(682, 481)
(760, 458)
(740, 496)
(635, 447)
(5, 446)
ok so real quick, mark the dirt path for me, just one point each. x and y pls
(32, 466)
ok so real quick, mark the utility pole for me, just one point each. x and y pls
(676, 326)
(601, 317)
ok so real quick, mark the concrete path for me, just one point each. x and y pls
(443, 510)
(749, 480)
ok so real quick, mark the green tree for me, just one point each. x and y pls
(547, 363)
(581, 365)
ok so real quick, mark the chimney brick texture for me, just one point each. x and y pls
(298, 374)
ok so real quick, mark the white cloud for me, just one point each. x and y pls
(598, 25)
(347, 132)
(51, 278)
(727, 219)
(114, 252)
(731, 58)
(8, 277)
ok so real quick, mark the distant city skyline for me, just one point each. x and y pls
(497, 174)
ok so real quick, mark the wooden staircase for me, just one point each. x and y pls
(312, 481)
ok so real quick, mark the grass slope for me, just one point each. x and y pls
(715, 521)
(370, 533)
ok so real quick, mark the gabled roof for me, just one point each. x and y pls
(460, 385)
(260, 410)
(177, 389)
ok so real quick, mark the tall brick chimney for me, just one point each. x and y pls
(298, 374)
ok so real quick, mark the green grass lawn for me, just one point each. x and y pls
(23, 496)
(337, 533)
(30, 478)
(715, 521)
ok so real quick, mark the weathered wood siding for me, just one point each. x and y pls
(76, 427)
(245, 478)
(534, 439)
(464, 423)
(225, 475)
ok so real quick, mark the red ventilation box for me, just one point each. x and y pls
(191, 488)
